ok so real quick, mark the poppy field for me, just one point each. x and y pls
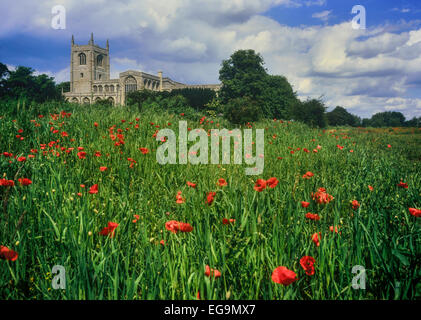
(81, 188)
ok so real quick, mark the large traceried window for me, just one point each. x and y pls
(82, 58)
(130, 84)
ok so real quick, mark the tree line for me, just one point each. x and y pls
(248, 93)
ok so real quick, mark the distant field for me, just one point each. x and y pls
(55, 220)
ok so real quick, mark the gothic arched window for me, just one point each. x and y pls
(99, 60)
(82, 58)
(130, 84)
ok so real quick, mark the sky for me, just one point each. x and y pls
(313, 43)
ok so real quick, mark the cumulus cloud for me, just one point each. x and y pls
(364, 70)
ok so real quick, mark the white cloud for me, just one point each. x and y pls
(324, 15)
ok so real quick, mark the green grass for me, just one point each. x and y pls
(48, 224)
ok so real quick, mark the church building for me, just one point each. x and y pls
(90, 79)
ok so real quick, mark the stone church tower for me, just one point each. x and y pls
(89, 63)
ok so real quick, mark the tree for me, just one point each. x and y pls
(64, 85)
(387, 119)
(311, 112)
(277, 97)
(341, 117)
(414, 122)
(22, 84)
(4, 71)
(242, 75)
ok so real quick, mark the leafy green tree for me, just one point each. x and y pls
(311, 112)
(341, 117)
(64, 85)
(387, 119)
(414, 122)
(22, 84)
(4, 71)
(45, 89)
(242, 75)
(277, 97)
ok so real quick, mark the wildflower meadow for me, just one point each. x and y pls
(81, 188)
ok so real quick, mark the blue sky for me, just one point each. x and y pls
(311, 42)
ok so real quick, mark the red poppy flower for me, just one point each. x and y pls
(222, 182)
(93, 189)
(179, 198)
(22, 159)
(144, 150)
(308, 175)
(334, 229)
(305, 204)
(103, 169)
(109, 231)
(7, 183)
(8, 254)
(191, 184)
(226, 221)
(25, 181)
(316, 239)
(371, 188)
(260, 185)
(283, 276)
(340, 147)
(321, 196)
(81, 154)
(272, 182)
(209, 272)
(95, 124)
(312, 216)
(355, 204)
(175, 226)
(210, 197)
(415, 212)
(402, 185)
(307, 263)
(389, 146)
